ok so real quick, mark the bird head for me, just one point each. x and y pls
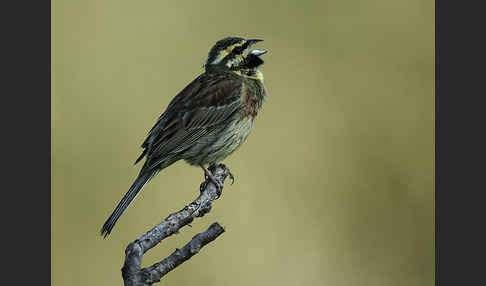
(233, 53)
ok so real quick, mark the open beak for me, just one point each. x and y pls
(257, 52)
(253, 55)
(253, 41)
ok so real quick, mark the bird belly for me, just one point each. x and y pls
(220, 143)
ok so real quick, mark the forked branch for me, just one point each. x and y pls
(134, 275)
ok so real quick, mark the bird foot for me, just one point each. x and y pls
(226, 170)
(208, 175)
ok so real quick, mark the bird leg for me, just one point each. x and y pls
(211, 177)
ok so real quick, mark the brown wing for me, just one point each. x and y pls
(197, 111)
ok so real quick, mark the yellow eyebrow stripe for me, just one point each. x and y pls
(227, 51)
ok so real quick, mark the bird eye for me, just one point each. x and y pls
(238, 50)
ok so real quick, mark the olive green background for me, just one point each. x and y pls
(335, 186)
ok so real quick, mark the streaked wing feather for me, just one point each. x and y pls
(202, 107)
(209, 116)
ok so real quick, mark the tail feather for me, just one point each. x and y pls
(141, 180)
(141, 156)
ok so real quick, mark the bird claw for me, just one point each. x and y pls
(231, 177)
(218, 192)
(227, 171)
(219, 187)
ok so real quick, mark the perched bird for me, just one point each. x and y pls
(207, 121)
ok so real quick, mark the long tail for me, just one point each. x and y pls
(141, 180)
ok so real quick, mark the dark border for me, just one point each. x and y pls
(460, 157)
(26, 103)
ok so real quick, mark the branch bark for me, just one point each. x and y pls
(134, 275)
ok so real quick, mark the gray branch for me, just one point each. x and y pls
(132, 273)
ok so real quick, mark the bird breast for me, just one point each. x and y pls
(253, 96)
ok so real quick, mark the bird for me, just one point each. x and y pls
(205, 122)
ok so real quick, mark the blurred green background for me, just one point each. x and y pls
(335, 186)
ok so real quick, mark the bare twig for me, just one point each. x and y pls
(131, 271)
